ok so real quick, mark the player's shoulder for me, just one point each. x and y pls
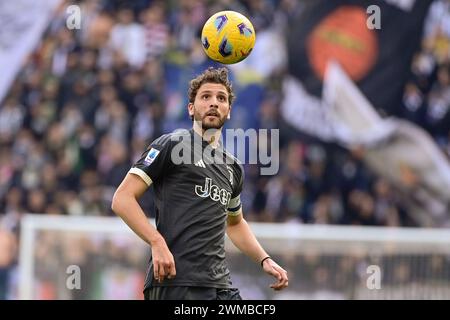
(171, 137)
(234, 162)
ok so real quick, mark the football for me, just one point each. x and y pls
(228, 37)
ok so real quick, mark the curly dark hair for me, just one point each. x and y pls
(211, 75)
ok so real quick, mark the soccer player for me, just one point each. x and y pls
(196, 202)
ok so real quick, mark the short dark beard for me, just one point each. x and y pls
(207, 125)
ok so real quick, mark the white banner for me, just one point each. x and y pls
(412, 162)
(304, 111)
(22, 24)
(397, 150)
(351, 115)
(344, 115)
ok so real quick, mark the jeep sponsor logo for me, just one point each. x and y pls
(214, 192)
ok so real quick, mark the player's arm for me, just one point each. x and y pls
(243, 238)
(125, 205)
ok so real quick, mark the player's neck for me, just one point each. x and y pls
(212, 136)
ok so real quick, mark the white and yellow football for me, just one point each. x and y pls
(228, 37)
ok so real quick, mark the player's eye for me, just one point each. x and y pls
(221, 98)
(205, 96)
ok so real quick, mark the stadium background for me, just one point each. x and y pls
(87, 102)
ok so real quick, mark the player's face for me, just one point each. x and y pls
(211, 106)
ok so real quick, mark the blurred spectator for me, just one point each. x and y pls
(8, 247)
(157, 30)
(128, 38)
(11, 118)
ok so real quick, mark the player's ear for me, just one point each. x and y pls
(191, 109)
(229, 114)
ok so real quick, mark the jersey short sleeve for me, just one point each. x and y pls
(155, 161)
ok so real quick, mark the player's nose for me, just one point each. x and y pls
(214, 103)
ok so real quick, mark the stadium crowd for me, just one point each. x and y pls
(87, 102)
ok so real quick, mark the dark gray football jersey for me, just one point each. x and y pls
(192, 201)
